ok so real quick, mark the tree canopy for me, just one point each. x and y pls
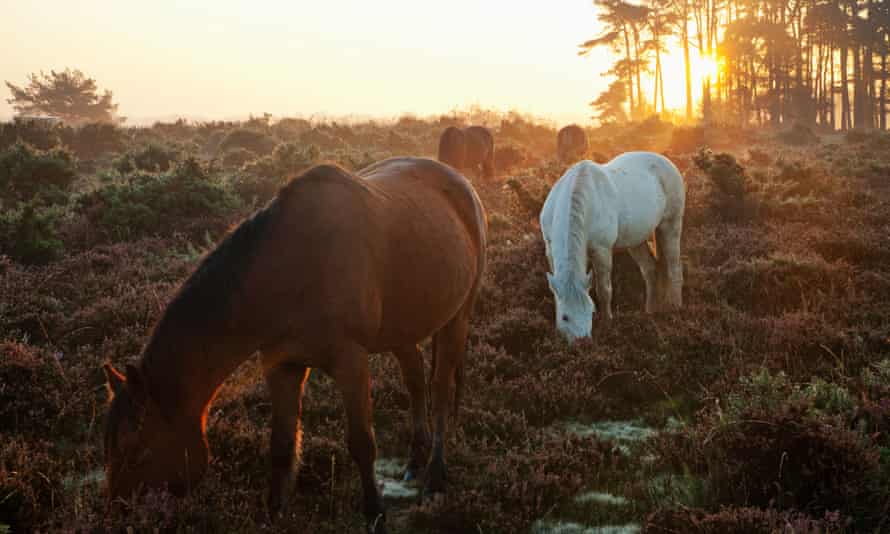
(69, 95)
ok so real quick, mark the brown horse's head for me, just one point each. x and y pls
(143, 448)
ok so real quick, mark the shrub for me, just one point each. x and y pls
(28, 233)
(730, 183)
(92, 140)
(783, 283)
(742, 520)
(759, 157)
(290, 128)
(286, 160)
(35, 133)
(151, 157)
(257, 142)
(26, 172)
(686, 139)
(323, 138)
(799, 134)
(162, 203)
(236, 157)
(509, 156)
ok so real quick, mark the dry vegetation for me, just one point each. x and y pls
(763, 406)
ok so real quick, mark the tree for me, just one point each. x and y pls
(682, 10)
(622, 21)
(68, 95)
(609, 105)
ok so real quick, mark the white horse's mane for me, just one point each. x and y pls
(570, 257)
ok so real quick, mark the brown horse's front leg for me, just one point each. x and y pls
(286, 382)
(411, 363)
(450, 346)
(349, 369)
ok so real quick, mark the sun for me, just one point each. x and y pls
(701, 68)
(708, 67)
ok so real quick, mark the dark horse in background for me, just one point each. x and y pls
(468, 149)
(336, 267)
(571, 144)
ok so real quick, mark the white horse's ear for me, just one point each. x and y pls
(589, 279)
(552, 281)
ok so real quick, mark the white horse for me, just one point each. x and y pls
(619, 205)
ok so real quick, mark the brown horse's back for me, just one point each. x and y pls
(453, 147)
(386, 257)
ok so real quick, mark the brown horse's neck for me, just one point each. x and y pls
(184, 366)
(205, 332)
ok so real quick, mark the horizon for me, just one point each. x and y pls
(235, 61)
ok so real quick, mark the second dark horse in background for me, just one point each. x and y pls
(468, 149)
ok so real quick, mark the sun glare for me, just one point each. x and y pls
(701, 68)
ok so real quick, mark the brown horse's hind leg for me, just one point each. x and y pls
(286, 382)
(450, 349)
(349, 370)
(411, 362)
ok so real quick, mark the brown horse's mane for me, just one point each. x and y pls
(204, 301)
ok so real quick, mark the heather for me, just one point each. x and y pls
(762, 406)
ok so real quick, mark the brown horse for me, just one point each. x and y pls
(571, 144)
(334, 268)
(470, 148)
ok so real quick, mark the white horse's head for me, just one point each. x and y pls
(574, 307)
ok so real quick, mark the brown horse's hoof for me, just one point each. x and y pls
(377, 525)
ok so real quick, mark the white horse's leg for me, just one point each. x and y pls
(642, 254)
(670, 265)
(602, 264)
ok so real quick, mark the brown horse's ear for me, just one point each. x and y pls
(114, 380)
(136, 382)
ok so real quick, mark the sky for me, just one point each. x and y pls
(385, 58)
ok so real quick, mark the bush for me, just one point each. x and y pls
(741, 520)
(252, 140)
(799, 134)
(236, 157)
(92, 140)
(286, 160)
(686, 139)
(508, 156)
(730, 183)
(26, 172)
(158, 204)
(151, 157)
(35, 133)
(28, 234)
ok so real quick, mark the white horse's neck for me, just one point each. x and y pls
(570, 227)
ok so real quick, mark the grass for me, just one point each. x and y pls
(786, 313)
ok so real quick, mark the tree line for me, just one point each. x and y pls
(817, 62)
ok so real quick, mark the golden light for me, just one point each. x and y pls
(701, 68)
(709, 67)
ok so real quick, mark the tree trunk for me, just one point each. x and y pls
(845, 91)
(883, 100)
(630, 75)
(688, 69)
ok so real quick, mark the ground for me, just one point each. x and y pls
(731, 411)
